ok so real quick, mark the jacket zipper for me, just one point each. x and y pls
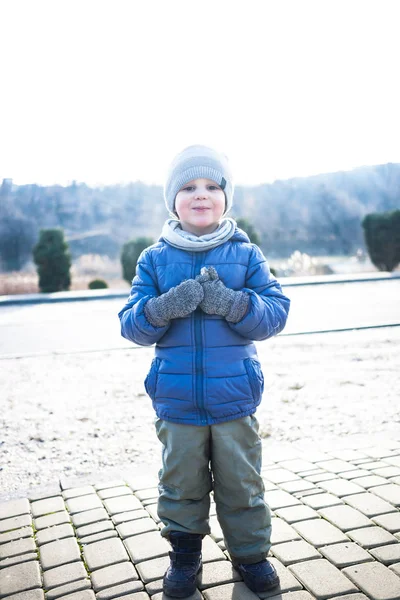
(199, 378)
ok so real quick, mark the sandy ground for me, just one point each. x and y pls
(80, 413)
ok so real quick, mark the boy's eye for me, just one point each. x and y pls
(213, 187)
(188, 188)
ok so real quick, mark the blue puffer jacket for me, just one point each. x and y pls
(205, 369)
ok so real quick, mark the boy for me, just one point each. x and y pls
(203, 294)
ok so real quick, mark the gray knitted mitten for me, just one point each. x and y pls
(220, 300)
(179, 301)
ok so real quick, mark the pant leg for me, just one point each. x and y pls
(243, 514)
(185, 478)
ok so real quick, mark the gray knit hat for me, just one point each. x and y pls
(196, 162)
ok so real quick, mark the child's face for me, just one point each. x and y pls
(200, 205)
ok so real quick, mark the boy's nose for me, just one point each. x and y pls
(201, 193)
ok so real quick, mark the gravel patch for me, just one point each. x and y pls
(83, 413)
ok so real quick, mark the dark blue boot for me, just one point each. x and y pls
(180, 579)
(259, 577)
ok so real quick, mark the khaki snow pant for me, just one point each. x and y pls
(225, 458)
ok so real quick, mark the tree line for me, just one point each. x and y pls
(318, 215)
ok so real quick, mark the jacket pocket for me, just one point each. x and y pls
(150, 383)
(256, 378)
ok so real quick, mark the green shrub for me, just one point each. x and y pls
(244, 224)
(382, 238)
(97, 284)
(130, 254)
(51, 255)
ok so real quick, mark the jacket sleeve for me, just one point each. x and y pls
(268, 306)
(134, 325)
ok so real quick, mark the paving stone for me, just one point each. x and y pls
(22, 546)
(376, 464)
(226, 592)
(75, 482)
(357, 474)
(282, 532)
(49, 505)
(211, 551)
(64, 574)
(14, 508)
(395, 568)
(346, 554)
(379, 452)
(154, 587)
(297, 465)
(369, 504)
(393, 460)
(279, 475)
(135, 527)
(340, 487)
(377, 581)
(387, 471)
(94, 528)
(152, 510)
(147, 493)
(116, 492)
(322, 579)
(85, 490)
(58, 518)
(320, 533)
(390, 493)
(58, 532)
(15, 523)
(15, 560)
(90, 516)
(117, 591)
(43, 492)
(217, 573)
(75, 586)
(370, 537)
(16, 534)
(96, 537)
(121, 504)
(304, 493)
(147, 502)
(59, 553)
(348, 455)
(299, 485)
(83, 503)
(112, 483)
(322, 476)
(269, 486)
(104, 553)
(288, 583)
(351, 597)
(131, 515)
(29, 595)
(370, 481)
(19, 578)
(82, 595)
(142, 482)
(293, 514)
(154, 569)
(345, 517)
(300, 595)
(146, 545)
(196, 596)
(113, 575)
(216, 531)
(314, 471)
(335, 465)
(293, 552)
(323, 500)
(391, 522)
(387, 555)
(280, 499)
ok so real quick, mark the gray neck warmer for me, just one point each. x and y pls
(177, 237)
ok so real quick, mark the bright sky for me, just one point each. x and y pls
(108, 91)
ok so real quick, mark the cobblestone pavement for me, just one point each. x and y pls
(336, 533)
